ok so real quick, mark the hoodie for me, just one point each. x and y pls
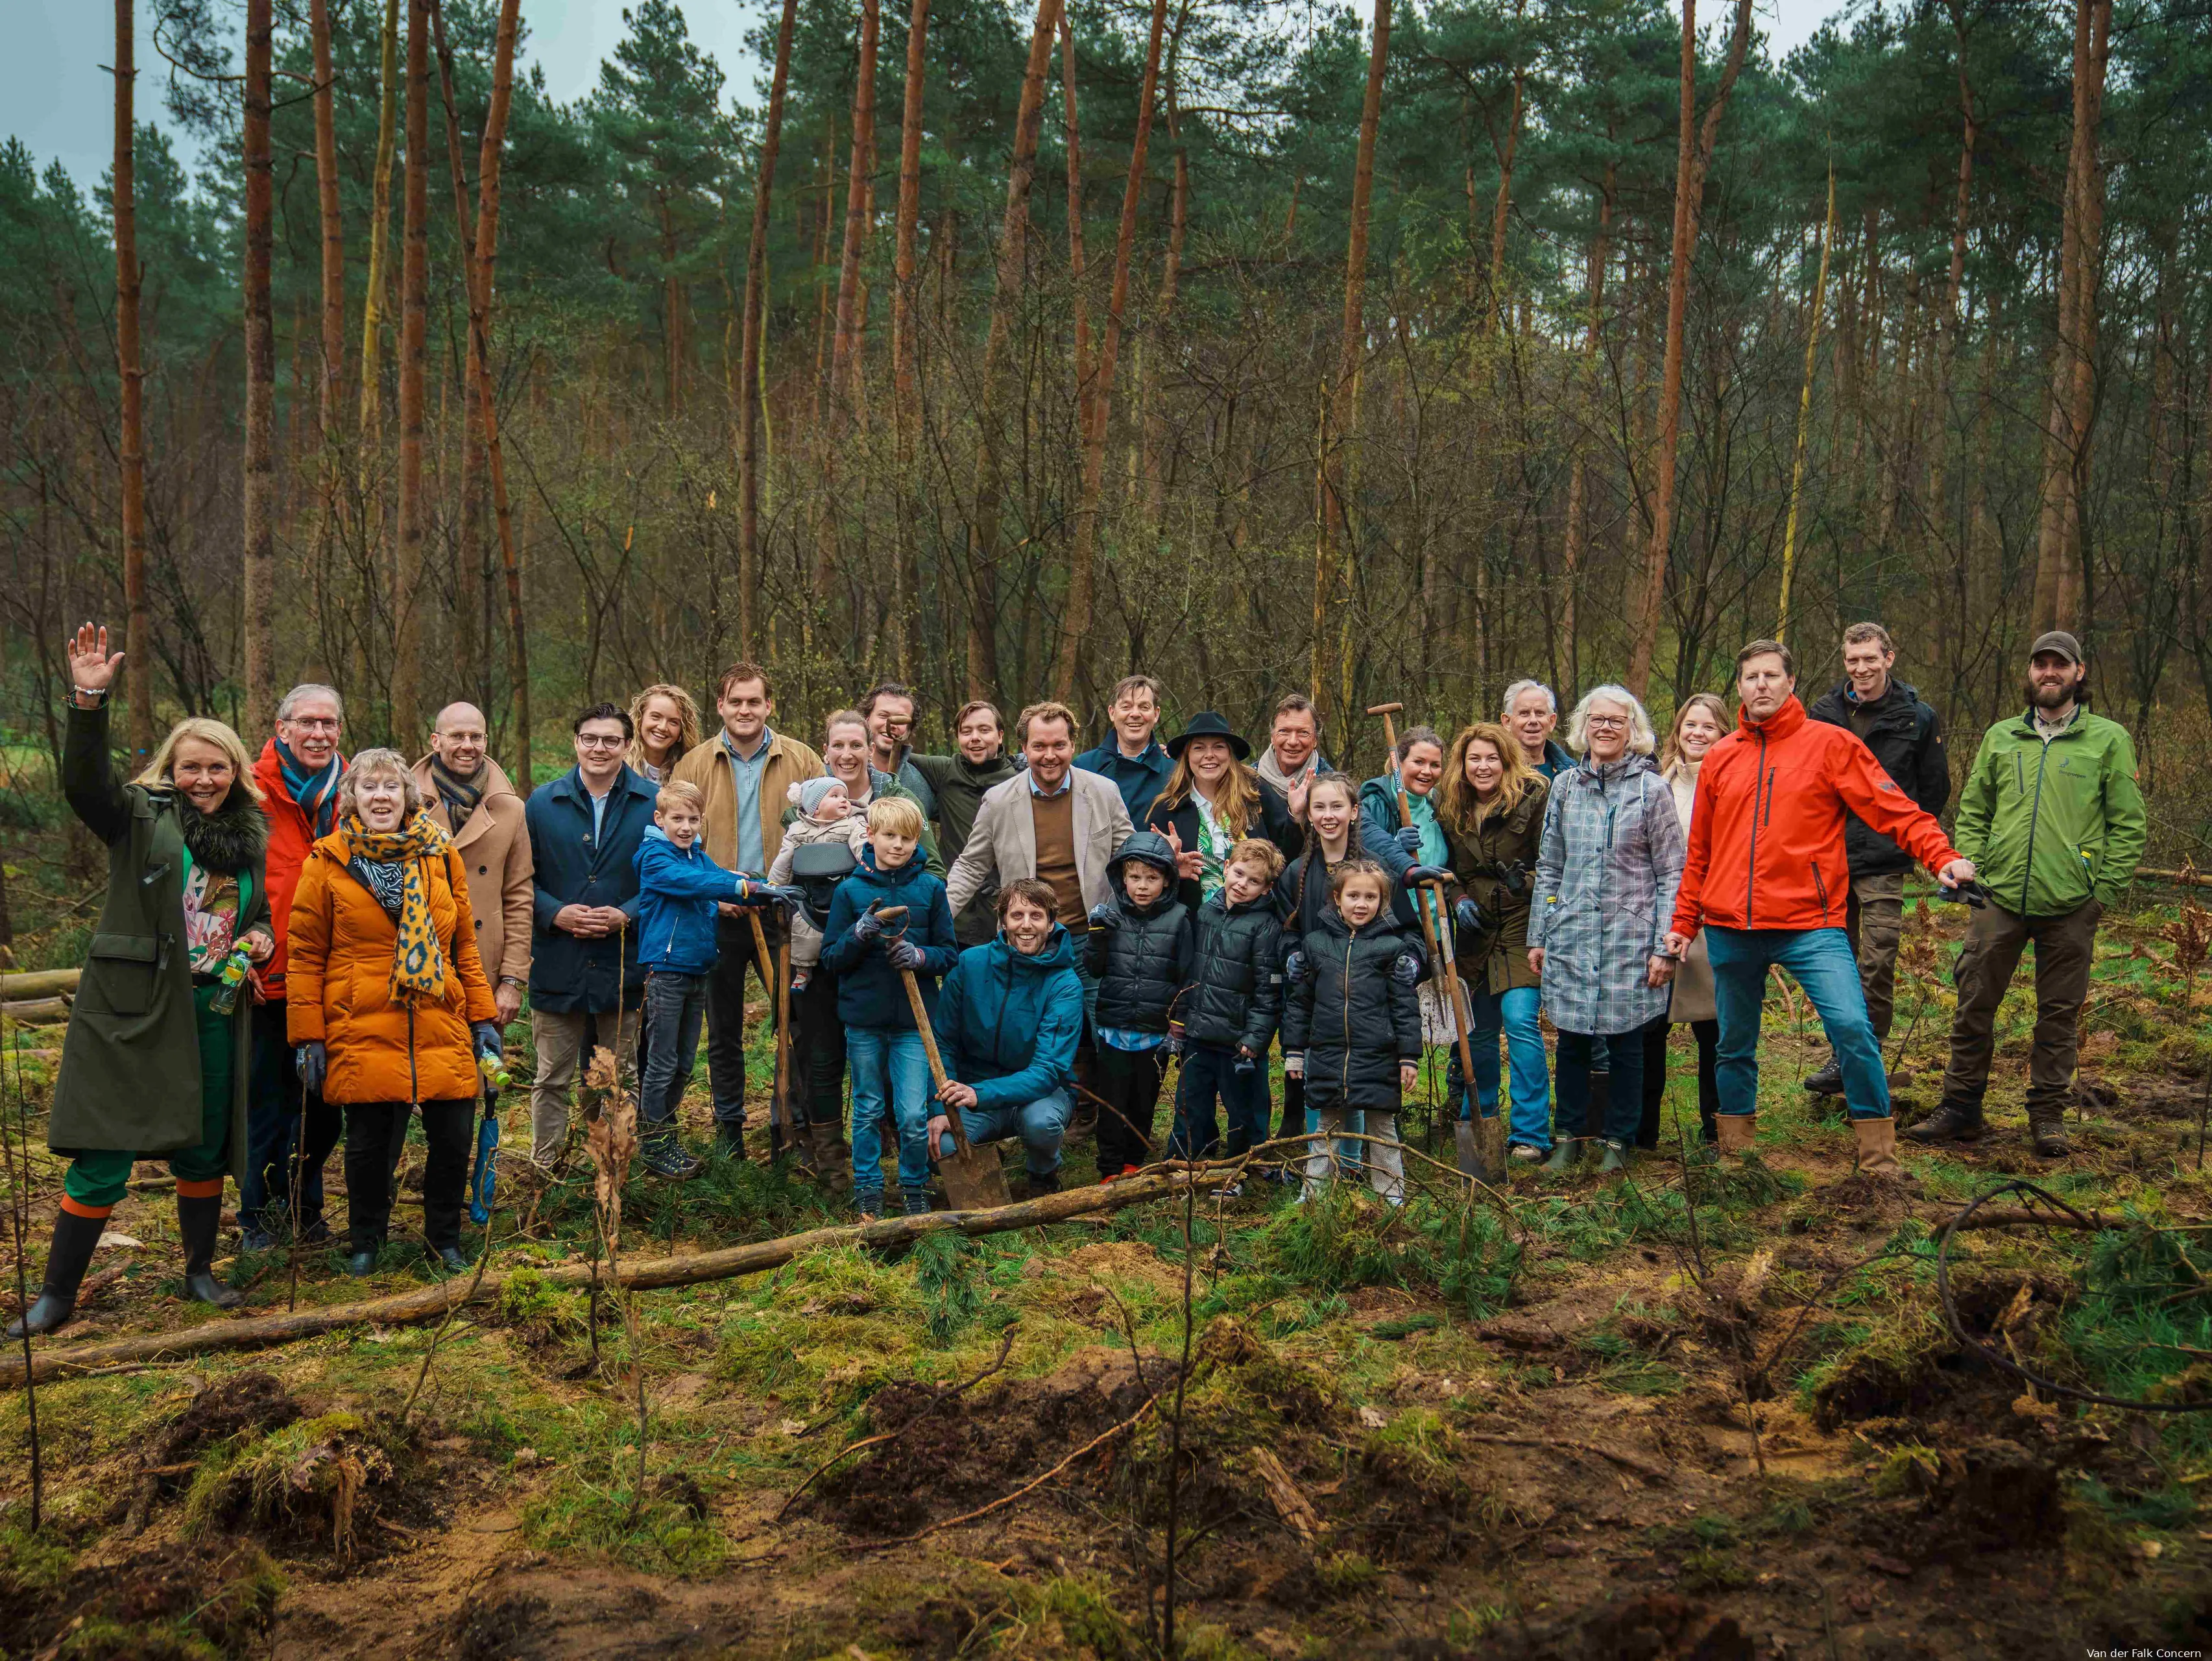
(1007, 1023)
(870, 992)
(677, 889)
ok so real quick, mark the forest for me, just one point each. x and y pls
(1386, 353)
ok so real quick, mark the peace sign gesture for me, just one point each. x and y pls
(91, 670)
(1189, 866)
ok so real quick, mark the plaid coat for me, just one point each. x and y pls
(1610, 862)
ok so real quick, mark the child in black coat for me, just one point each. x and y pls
(1228, 1010)
(1352, 1024)
(1139, 952)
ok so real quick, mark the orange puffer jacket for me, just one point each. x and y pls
(1767, 827)
(338, 985)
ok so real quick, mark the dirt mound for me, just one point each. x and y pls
(1660, 1626)
(256, 1401)
(177, 1602)
(1127, 1260)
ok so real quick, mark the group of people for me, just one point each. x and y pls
(1060, 924)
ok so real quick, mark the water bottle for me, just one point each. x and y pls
(230, 979)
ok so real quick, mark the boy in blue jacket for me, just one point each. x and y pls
(1007, 1023)
(883, 1046)
(679, 889)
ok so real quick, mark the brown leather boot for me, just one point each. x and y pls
(833, 1165)
(1877, 1140)
(1738, 1131)
(2046, 1131)
(1952, 1121)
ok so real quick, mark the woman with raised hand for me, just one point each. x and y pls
(1701, 722)
(665, 722)
(153, 1065)
(387, 1002)
(1214, 800)
(1611, 861)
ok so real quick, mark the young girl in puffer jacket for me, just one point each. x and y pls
(1352, 1024)
(825, 814)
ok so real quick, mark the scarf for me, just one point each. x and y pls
(317, 794)
(460, 795)
(1272, 771)
(418, 962)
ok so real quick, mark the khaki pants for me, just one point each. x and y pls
(1874, 917)
(1385, 1165)
(559, 1042)
(2065, 947)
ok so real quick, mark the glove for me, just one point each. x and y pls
(1295, 967)
(1175, 1038)
(1108, 915)
(768, 893)
(1470, 917)
(905, 954)
(867, 926)
(1409, 838)
(1416, 875)
(489, 1040)
(314, 1064)
(1294, 1067)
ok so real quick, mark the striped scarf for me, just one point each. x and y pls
(460, 795)
(317, 794)
(418, 961)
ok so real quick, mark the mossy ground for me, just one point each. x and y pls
(1350, 1468)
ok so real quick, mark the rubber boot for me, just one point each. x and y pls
(832, 1162)
(1737, 1131)
(1565, 1155)
(198, 1217)
(1877, 1140)
(2046, 1131)
(1616, 1158)
(1952, 1121)
(75, 1237)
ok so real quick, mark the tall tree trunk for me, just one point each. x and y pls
(1805, 414)
(138, 677)
(260, 484)
(1693, 154)
(1941, 553)
(1163, 305)
(1008, 282)
(1503, 208)
(2066, 451)
(845, 344)
(413, 340)
(1079, 259)
(331, 382)
(1568, 674)
(906, 406)
(756, 305)
(1082, 573)
(379, 280)
(1341, 417)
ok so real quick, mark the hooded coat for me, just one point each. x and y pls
(130, 1061)
(1234, 996)
(871, 992)
(1354, 1013)
(1142, 960)
(1007, 1022)
(340, 990)
(1605, 884)
(677, 889)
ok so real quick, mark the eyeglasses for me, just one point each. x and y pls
(594, 741)
(1609, 722)
(312, 723)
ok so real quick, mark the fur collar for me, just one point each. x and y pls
(231, 839)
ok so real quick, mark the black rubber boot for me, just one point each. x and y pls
(198, 1219)
(74, 1238)
(1952, 1121)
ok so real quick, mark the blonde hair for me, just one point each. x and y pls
(208, 731)
(679, 794)
(687, 719)
(1047, 710)
(1458, 808)
(896, 815)
(1670, 757)
(376, 764)
(1358, 870)
(1256, 850)
(1642, 740)
(1240, 792)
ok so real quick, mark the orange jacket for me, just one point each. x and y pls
(338, 988)
(290, 837)
(1766, 830)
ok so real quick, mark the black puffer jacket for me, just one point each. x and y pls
(1141, 958)
(1354, 1012)
(1907, 739)
(1234, 993)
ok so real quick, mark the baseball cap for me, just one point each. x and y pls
(2058, 641)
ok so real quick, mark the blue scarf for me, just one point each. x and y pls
(317, 794)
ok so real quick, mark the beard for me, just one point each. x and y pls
(2043, 696)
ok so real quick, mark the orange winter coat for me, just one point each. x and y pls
(338, 985)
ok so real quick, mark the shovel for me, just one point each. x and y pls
(973, 1178)
(779, 1110)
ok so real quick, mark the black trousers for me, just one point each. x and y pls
(1129, 1088)
(726, 1014)
(1708, 1035)
(368, 1134)
(818, 1057)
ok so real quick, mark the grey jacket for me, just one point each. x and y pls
(1611, 861)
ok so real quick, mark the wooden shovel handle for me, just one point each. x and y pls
(766, 961)
(937, 1073)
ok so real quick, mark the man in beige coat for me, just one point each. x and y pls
(746, 771)
(472, 799)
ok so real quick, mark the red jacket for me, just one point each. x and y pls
(1766, 830)
(290, 838)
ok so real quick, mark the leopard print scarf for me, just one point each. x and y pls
(418, 961)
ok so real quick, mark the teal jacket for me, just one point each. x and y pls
(1007, 1023)
(2050, 825)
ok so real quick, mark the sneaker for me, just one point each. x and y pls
(256, 1239)
(1525, 1154)
(666, 1158)
(798, 981)
(916, 1205)
(316, 1233)
(1229, 1191)
(1131, 1170)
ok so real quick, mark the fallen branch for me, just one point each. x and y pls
(2096, 1221)
(1626, 1460)
(430, 1303)
(41, 983)
(36, 1011)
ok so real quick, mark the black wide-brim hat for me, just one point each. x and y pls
(1208, 725)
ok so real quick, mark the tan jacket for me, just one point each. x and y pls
(1003, 844)
(1694, 994)
(497, 851)
(707, 766)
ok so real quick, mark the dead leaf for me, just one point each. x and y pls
(1890, 1566)
(791, 1426)
(1372, 1418)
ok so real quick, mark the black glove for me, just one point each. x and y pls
(867, 925)
(905, 954)
(489, 1040)
(769, 893)
(1471, 918)
(314, 1064)
(1295, 967)
(1409, 838)
(1108, 915)
(1417, 875)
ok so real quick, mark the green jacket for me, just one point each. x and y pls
(2049, 825)
(131, 1062)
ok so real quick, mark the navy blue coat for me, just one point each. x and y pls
(869, 990)
(1138, 781)
(569, 976)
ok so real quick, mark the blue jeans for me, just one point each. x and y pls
(1821, 961)
(674, 1007)
(1040, 1124)
(1578, 1057)
(1210, 1070)
(1517, 1013)
(891, 1074)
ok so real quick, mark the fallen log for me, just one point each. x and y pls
(644, 1274)
(2018, 1217)
(40, 983)
(36, 1011)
